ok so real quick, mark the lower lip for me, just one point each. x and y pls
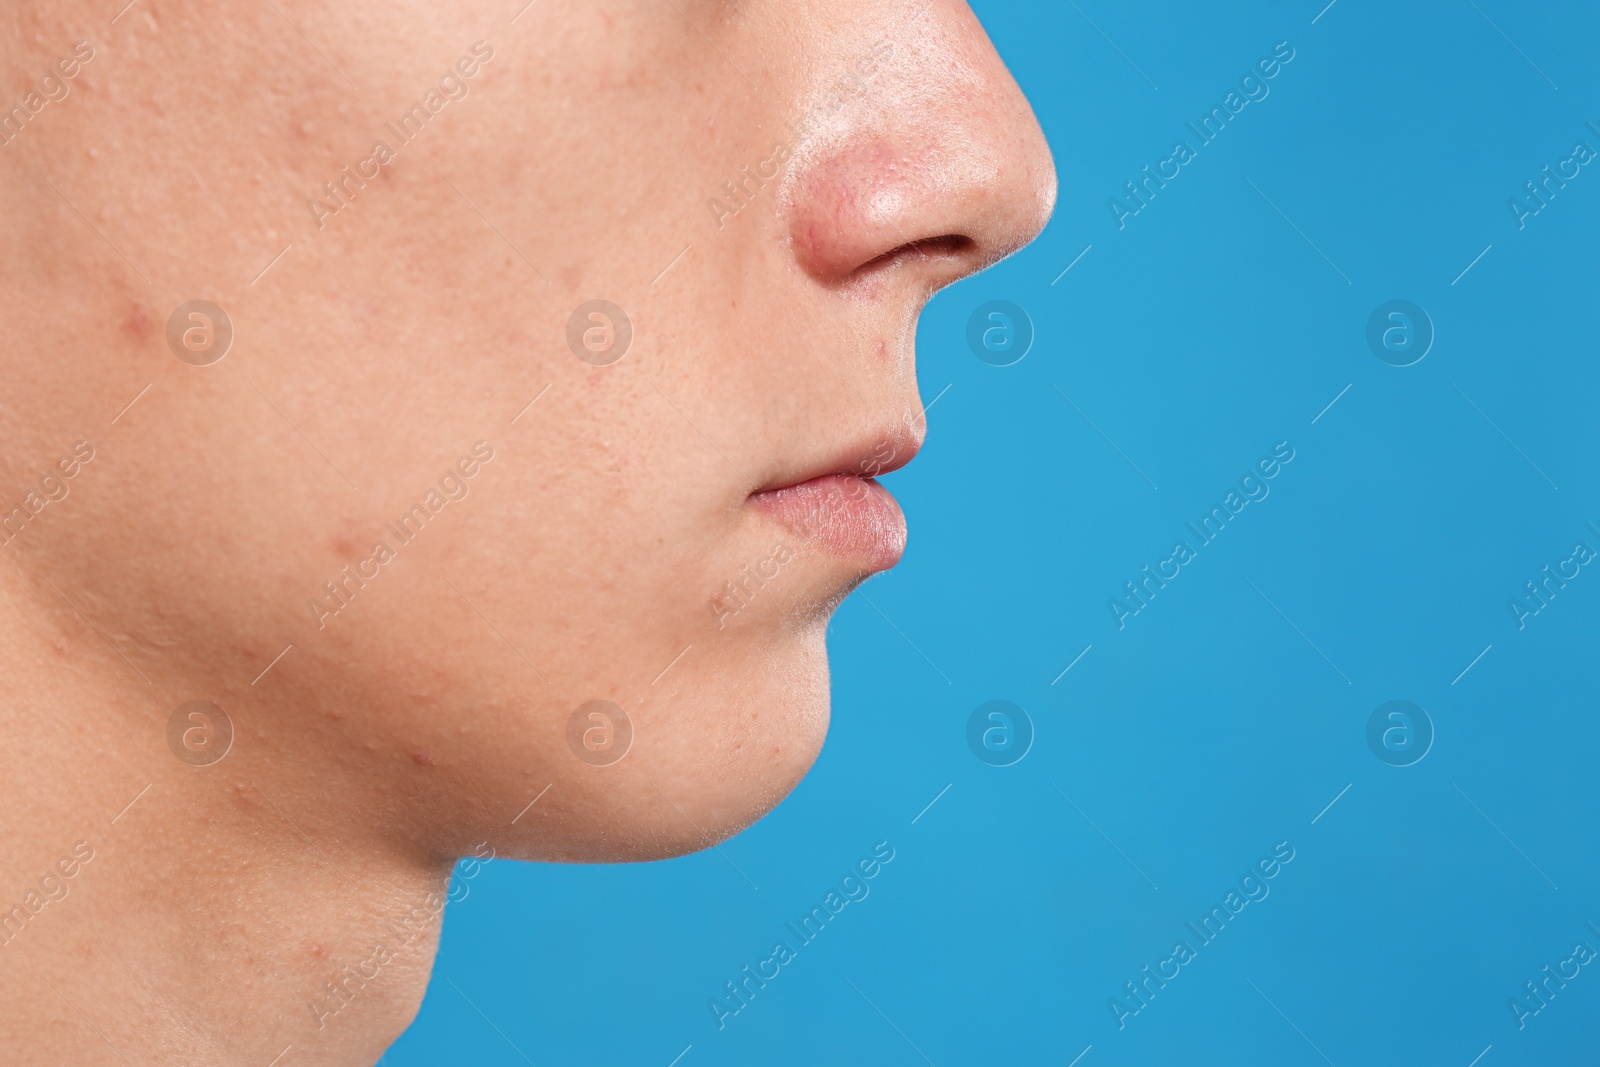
(851, 516)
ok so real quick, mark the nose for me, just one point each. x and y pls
(940, 171)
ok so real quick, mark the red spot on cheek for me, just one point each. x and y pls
(883, 348)
(420, 757)
(346, 541)
(136, 323)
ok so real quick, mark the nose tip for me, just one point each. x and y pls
(945, 172)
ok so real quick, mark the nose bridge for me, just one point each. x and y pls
(946, 151)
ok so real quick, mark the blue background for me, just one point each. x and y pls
(1227, 715)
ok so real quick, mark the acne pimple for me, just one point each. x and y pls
(137, 321)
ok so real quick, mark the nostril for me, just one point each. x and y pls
(945, 246)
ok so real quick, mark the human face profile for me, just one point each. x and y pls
(471, 414)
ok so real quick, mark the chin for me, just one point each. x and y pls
(709, 758)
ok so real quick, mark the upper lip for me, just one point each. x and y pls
(867, 456)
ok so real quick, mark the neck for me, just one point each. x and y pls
(185, 913)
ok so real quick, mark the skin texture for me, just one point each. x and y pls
(588, 557)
